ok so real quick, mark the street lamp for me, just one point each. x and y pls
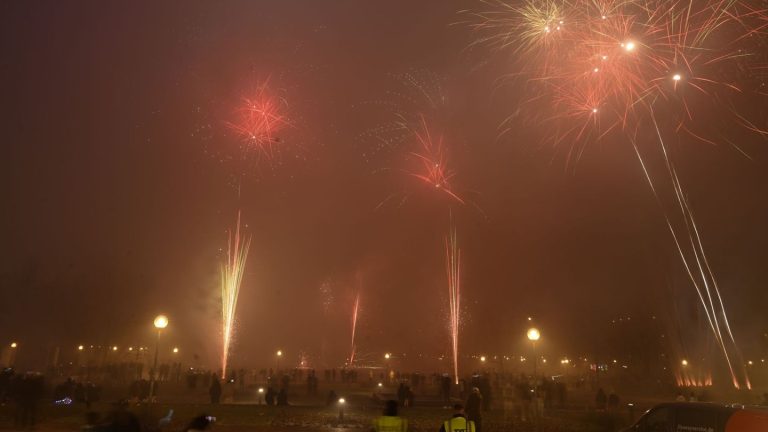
(534, 335)
(161, 322)
(12, 354)
(684, 362)
(261, 395)
(341, 408)
(279, 355)
(388, 356)
(175, 350)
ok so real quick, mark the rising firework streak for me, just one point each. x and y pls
(453, 269)
(231, 278)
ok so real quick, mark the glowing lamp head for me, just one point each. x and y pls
(596, 70)
(684, 362)
(533, 334)
(676, 77)
(482, 358)
(114, 348)
(387, 356)
(279, 353)
(80, 347)
(261, 389)
(161, 322)
(342, 401)
(175, 350)
(381, 385)
(14, 345)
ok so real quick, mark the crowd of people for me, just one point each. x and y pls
(520, 397)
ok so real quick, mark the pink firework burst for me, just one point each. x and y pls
(259, 120)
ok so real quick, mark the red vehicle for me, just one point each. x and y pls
(701, 417)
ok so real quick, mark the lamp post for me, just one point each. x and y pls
(387, 356)
(534, 335)
(341, 408)
(161, 322)
(12, 354)
(279, 355)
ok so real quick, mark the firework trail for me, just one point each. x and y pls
(259, 119)
(353, 346)
(453, 270)
(231, 277)
(599, 68)
(696, 265)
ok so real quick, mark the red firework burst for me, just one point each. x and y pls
(259, 119)
(433, 162)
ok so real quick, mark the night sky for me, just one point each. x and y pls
(120, 180)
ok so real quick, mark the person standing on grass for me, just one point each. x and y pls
(215, 390)
(473, 407)
(459, 422)
(390, 421)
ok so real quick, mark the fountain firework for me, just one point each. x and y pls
(231, 278)
(355, 310)
(453, 267)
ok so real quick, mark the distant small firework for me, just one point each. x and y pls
(259, 119)
(231, 278)
(433, 161)
(326, 295)
(600, 67)
(355, 313)
(412, 95)
(453, 271)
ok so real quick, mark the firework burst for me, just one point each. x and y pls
(430, 165)
(434, 169)
(231, 277)
(259, 119)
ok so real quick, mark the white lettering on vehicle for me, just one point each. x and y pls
(683, 428)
